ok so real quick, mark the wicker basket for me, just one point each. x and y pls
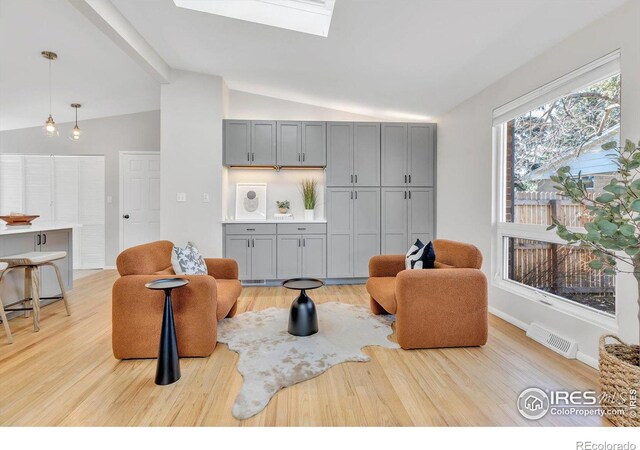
(620, 381)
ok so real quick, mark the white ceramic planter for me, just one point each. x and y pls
(309, 214)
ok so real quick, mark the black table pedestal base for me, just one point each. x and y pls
(168, 370)
(303, 320)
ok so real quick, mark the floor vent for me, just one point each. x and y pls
(566, 347)
(254, 282)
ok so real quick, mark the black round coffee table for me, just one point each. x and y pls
(168, 369)
(303, 320)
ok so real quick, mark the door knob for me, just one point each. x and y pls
(126, 216)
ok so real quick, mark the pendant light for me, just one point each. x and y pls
(76, 133)
(50, 129)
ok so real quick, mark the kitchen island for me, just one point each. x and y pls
(39, 237)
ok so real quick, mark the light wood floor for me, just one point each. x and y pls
(66, 375)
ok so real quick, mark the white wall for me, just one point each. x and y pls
(192, 109)
(107, 136)
(465, 165)
(244, 105)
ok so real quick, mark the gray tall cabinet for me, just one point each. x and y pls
(380, 197)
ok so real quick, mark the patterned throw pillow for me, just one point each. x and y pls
(188, 261)
(420, 256)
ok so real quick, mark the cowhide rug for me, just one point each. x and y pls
(271, 358)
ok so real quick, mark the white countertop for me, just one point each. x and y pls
(35, 227)
(275, 221)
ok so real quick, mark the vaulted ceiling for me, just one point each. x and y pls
(401, 59)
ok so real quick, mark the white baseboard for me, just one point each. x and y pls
(512, 320)
(109, 268)
(588, 360)
(582, 357)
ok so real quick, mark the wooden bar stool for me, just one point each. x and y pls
(3, 315)
(31, 262)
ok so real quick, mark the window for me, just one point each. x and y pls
(564, 123)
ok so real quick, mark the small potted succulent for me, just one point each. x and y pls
(283, 207)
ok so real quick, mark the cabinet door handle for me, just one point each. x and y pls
(409, 178)
(248, 156)
(298, 242)
(253, 156)
(253, 242)
(304, 242)
(44, 239)
(251, 229)
(304, 156)
(405, 178)
(356, 178)
(405, 195)
(409, 195)
(38, 239)
(351, 195)
(356, 195)
(352, 178)
(303, 228)
(248, 242)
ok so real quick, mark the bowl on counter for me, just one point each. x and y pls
(17, 220)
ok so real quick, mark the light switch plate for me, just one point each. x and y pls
(205, 197)
(109, 199)
(181, 197)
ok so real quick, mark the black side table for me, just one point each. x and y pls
(168, 370)
(303, 320)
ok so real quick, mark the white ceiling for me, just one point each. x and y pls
(90, 69)
(386, 58)
(393, 59)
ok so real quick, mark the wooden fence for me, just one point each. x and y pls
(560, 269)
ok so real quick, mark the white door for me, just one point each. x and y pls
(140, 198)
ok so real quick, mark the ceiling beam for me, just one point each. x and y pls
(104, 15)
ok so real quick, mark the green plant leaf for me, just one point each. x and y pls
(635, 205)
(610, 145)
(607, 227)
(605, 198)
(627, 229)
(596, 264)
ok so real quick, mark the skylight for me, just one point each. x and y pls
(305, 16)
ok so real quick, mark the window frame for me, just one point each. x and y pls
(600, 69)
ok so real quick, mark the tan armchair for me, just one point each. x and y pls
(441, 307)
(197, 307)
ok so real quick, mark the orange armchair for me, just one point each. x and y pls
(441, 307)
(197, 307)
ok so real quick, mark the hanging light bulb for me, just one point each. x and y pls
(50, 129)
(76, 133)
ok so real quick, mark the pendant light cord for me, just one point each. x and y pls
(50, 87)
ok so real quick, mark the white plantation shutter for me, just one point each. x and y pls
(11, 184)
(91, 211)
(38, 198)
(61, 189)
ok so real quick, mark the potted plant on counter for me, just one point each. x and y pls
(613, 237)
(310, 197)
(283, 207)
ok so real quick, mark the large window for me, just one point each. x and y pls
(565, 125)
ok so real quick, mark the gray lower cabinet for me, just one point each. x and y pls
(255, 255)
(238, 247)
(314, 255)
(263, 257)
(353, 233)
(289, 256)
(407, 215)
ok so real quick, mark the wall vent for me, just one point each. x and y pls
(566, 347)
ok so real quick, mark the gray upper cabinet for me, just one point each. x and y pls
(237, 142)
(263, 143)
(420, 210)
(366, 154)
(395, 219)
(421, 143)
(394, 154)
(289, 144)
(339, 154)
(314, 144)
(339, 232)
(366, 222)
